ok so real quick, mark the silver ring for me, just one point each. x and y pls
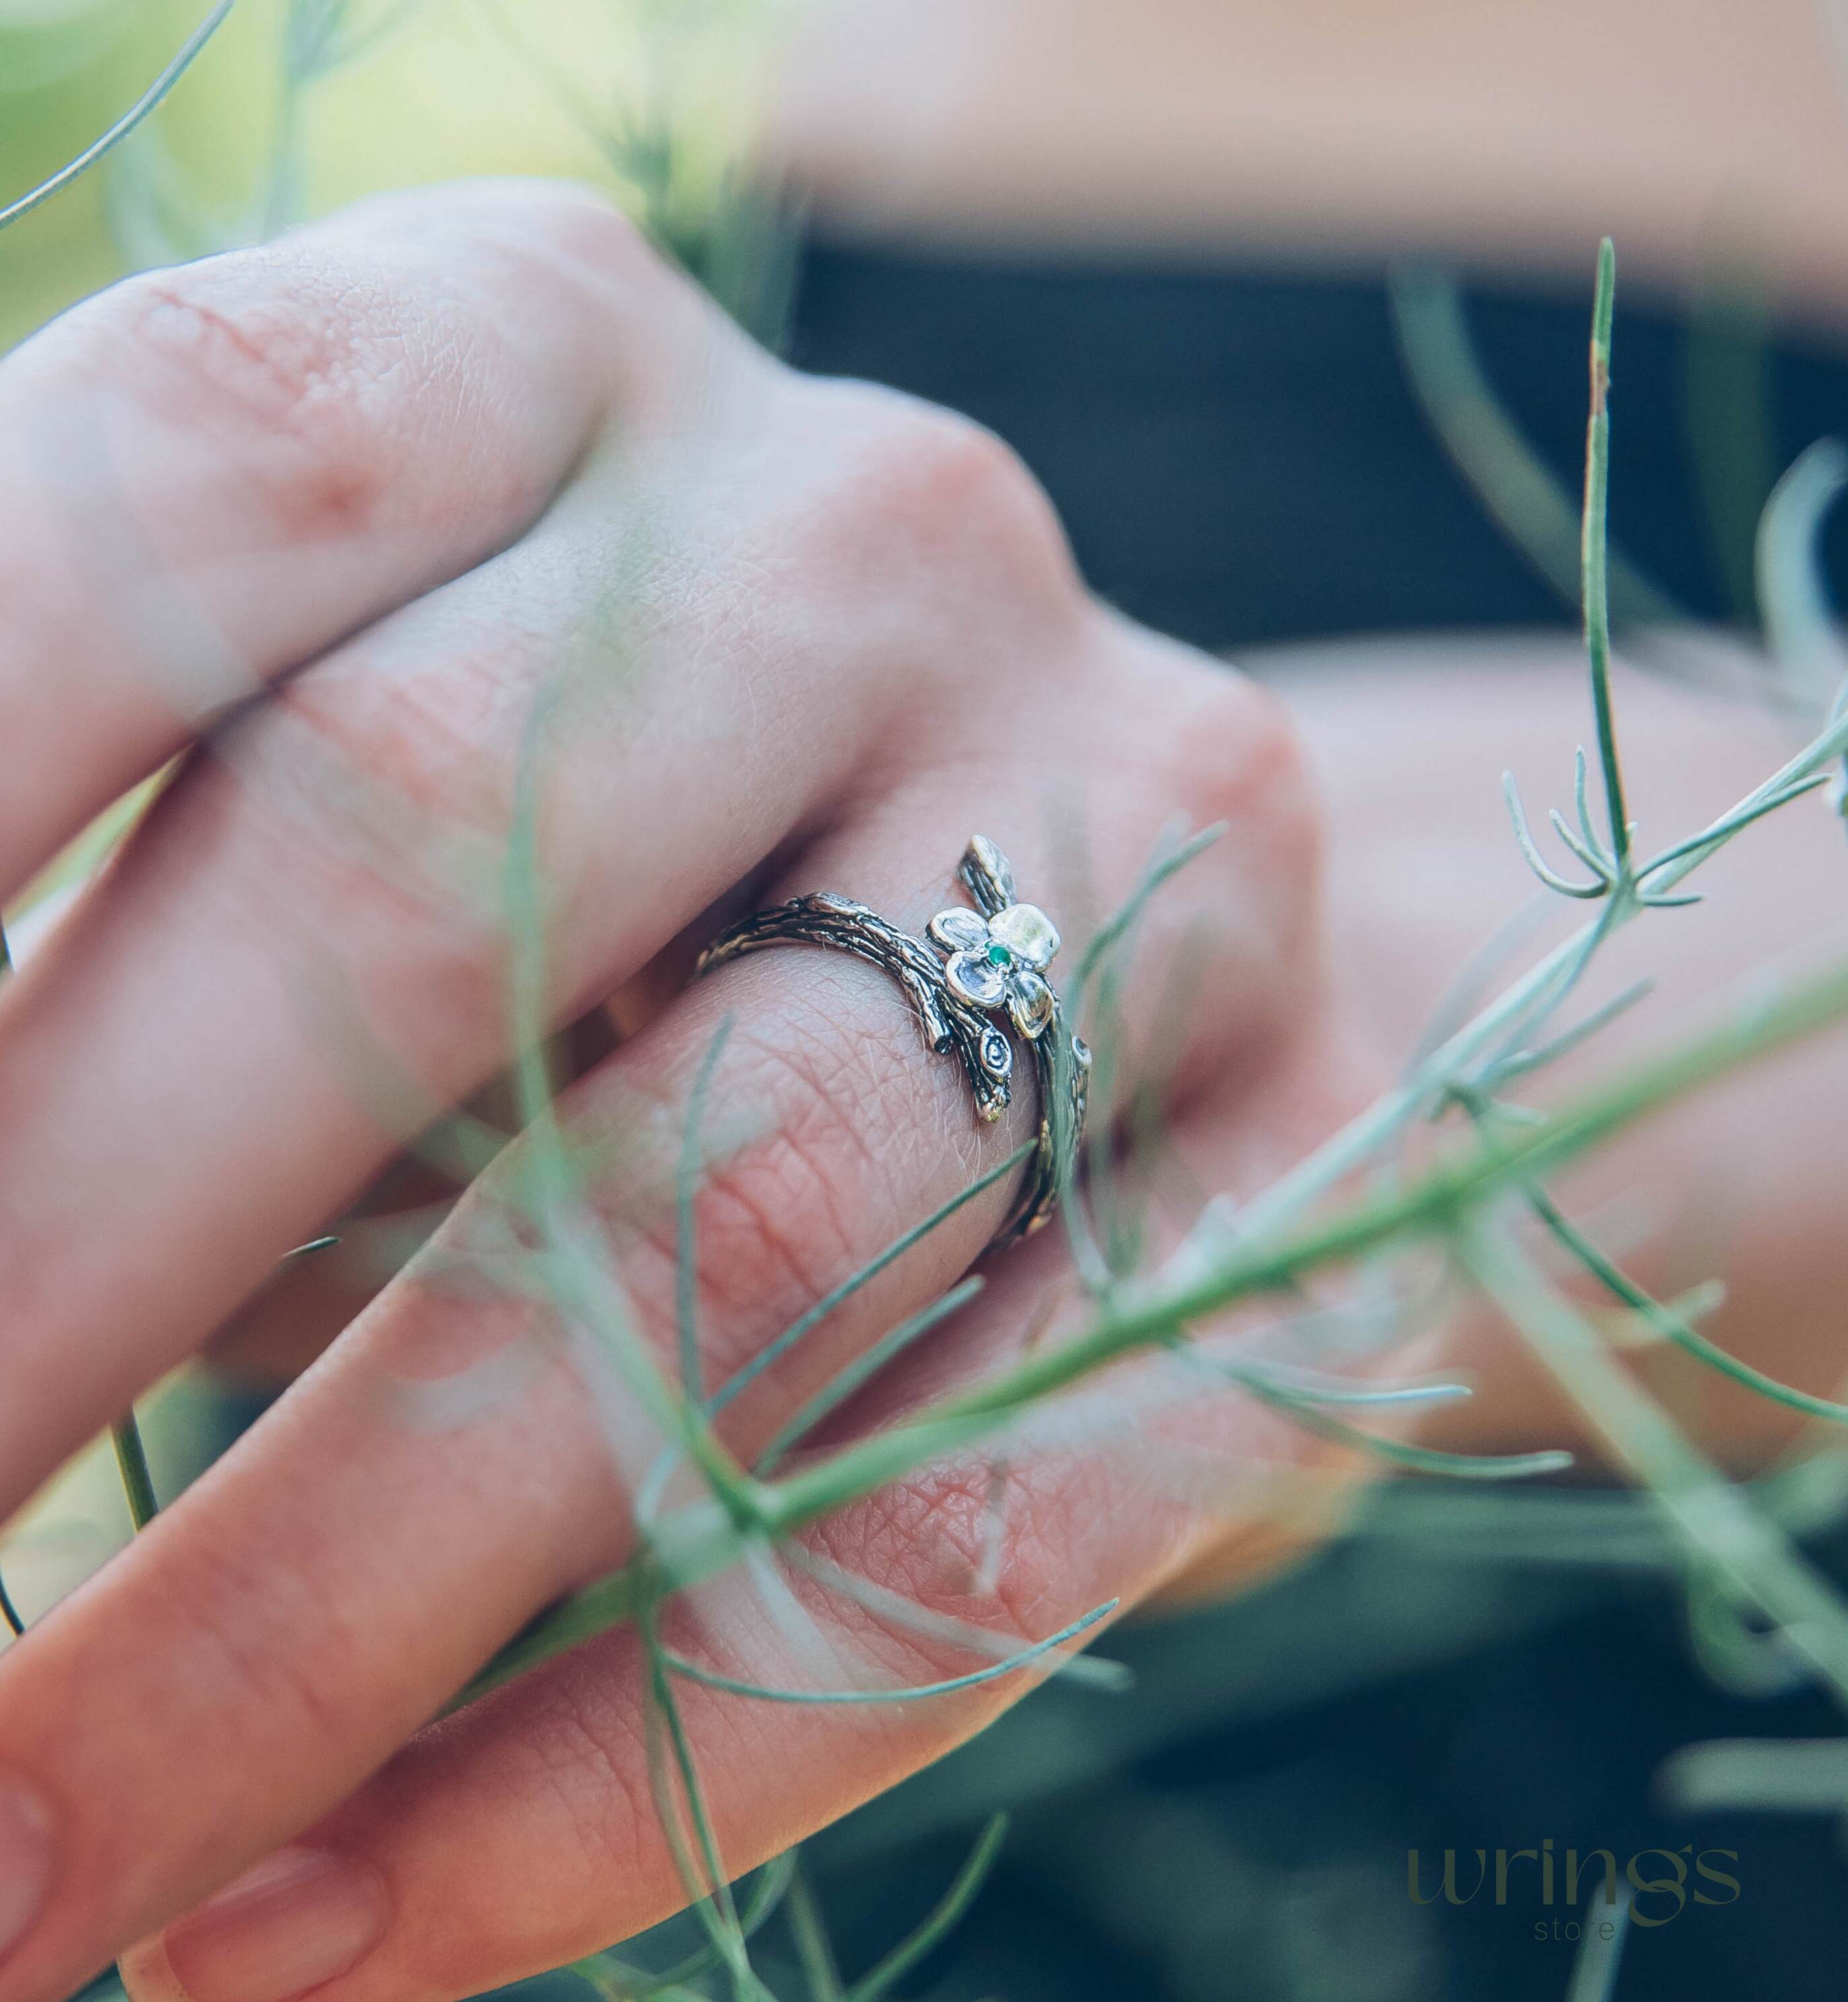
(978, 969)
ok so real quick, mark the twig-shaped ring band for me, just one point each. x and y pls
(980, 972)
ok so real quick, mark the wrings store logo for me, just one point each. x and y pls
(1659, 1883)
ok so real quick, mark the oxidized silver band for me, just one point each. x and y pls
(978, 968)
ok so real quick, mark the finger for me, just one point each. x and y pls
(304, 957)
(214, 472)
(324, 1590)
(528, 1830)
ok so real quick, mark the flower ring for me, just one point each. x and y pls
(997, 959)
(991, 957)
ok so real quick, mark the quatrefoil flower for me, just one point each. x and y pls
(997, 960)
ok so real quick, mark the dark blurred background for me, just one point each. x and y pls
(1240, 458)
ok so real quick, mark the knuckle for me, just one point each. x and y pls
(374, 900)
(944, 468)
(1217, 747)
(1193, 741)
(777, 1226)
(584, 1748)
(281, 362)
(825, 1099)
(925, 1540)
(494, 233)
(567, 217)
(573, 1761)
(263, 1642)
(1233, 758)
(416, 729)
(1237, 757)
(522, 252)
(321, 368)
(1017, 1549)
(920, 492)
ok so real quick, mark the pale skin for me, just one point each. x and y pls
(1701, 135)
(393, 466)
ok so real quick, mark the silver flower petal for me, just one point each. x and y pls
(976, 978)
(960, 930)
(1030, 1002)
(1028, 932)
(994, 864)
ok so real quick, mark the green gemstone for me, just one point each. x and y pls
(999, 955)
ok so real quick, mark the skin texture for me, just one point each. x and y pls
(461, 486)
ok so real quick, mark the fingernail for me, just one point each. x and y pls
(25, 1858)
(299, 1919)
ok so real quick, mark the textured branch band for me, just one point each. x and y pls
(978, 967)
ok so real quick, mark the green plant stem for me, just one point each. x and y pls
(879, 1980)
(1532, 505)
(610, 1978)
(574, 1261)
(813, 1946)
(1306, 1412)
(705, 1538)
(1733, 823)
(707, 1883)
(1799, 622)
(686, 1189)
(148, 102)
(863, 1368)
(326, 1243)
(1523, 1062)
(1759, 1567)
(1671, 1326)
(773, 1352)
(1662, 1318)
(138, 1483)
(1595, 1969)
(1592, 552)
(1363, 1137)
(282, 197)
(711, 1679)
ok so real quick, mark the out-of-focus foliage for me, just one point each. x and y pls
(299, 106)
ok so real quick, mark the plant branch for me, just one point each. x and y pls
(137, 1482)
(704, 1539)
(148, 102)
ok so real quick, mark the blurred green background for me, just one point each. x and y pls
(297, 109)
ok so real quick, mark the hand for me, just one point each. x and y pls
(459, 492)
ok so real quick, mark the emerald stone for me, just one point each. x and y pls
(999, 955)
